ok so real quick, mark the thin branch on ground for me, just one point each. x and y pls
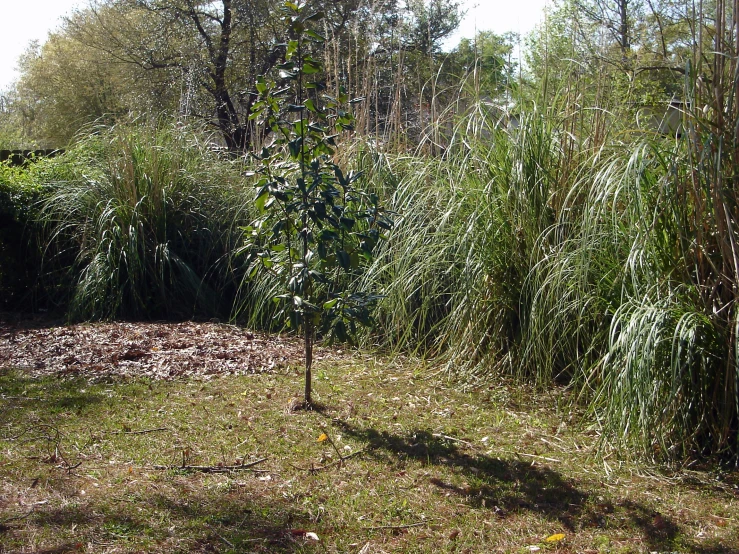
(338, 453)
(215, 469)
(142, 432)
(406, 526)
(16, 518)
(315, 468)
(453, 439)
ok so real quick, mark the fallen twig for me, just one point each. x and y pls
(215, 469)
(539, 457)
(406, 526)
(142, 432)
(338, 452)
(453, 439)
(38, 426)
(224, 539)
(16, 518)
(339, 462)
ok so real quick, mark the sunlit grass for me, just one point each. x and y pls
(427, 467)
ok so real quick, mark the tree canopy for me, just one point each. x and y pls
(200, 60)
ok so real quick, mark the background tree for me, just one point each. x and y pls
(63, 86)
(199, 60)
(211, 49)
(15, 123)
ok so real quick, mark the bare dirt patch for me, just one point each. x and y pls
(136, 349)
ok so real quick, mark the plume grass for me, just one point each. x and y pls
(147, 218)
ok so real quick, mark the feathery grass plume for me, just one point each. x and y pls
(453, 272)
(147, 217)
(627, 307)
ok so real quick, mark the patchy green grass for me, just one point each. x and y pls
(428, 469)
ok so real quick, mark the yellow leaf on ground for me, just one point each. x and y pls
(323, 437)
(555, 538)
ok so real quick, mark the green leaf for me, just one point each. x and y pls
(315, 36)
(261, 200)
(311, 66)
(340, 176)
(339, 329)
(317, 16)
(354, 176)
(292, 47)
(294, 146)
(330, 304)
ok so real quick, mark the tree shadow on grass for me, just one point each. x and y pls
(24, 400)
(506, 487)
(182, 521)
(500, 485)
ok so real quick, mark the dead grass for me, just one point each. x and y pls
(428, 469)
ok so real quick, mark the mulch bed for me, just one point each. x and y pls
(153, 350)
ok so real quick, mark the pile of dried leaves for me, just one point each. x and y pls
(154, 350)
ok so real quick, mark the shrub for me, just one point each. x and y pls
(20, 258)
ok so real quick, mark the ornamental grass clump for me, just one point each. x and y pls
(466, 238)
(144, 225)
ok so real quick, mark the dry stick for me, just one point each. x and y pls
(15, 518)
(39, 426)
(341, 458)
(216, 469)
(406, 526)
(142, 432)
(224, 539)
(540, 457)
(447, 437)
(56, 440)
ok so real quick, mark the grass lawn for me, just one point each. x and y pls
(423, 468)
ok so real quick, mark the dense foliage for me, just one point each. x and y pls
(142, 223)
(19, 259)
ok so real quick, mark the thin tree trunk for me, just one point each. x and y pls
(308, 359)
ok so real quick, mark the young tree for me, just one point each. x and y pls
(316, 225)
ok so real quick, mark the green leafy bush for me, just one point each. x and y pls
(20, 259)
